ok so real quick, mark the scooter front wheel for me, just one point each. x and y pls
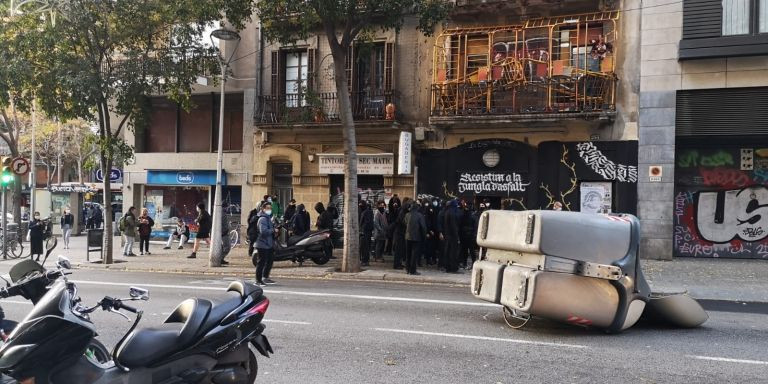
(321, 260)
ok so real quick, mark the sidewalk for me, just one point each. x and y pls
(713, 279)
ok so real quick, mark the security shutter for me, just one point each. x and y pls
(350, 65)
(311, 68)
(701, 18)
(278, 74)
(723, 111)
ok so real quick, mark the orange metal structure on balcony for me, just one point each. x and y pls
(541, 67)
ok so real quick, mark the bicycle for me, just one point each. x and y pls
(234, 234)
(12, 245)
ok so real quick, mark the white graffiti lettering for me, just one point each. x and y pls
(726, 215)
(480, 183)
(605, 167)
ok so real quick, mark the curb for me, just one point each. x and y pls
(327, 275)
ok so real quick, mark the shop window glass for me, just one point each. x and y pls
(763, 17)
(233, 124)
(736, 17)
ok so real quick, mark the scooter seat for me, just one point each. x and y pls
(149, 345)
(295, 239)
(220, 310)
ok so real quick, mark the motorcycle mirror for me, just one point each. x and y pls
(63, 262)
(139, 293)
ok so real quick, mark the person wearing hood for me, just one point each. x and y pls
(430, 243)
(290, 211)
(366, 231)
(451, 220)
(398, 237)
(392, 214)
(380, 226)
(415, 234)
(301, 221)
(324, 218)
(265, 242)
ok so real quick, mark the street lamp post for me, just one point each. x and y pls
(215, 257)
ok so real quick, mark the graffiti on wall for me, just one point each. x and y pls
(491, 182)
(604, 167)
(720, 210)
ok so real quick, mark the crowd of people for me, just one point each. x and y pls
(420, 232)
(417, 233)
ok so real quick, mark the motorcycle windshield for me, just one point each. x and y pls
(23, 268)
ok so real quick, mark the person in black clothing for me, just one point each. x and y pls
(204, 224)
(366, 232)
(301, 221)
(398, 236)
(430, 243)
(393, 210)
(36, 236)
(440, 224)
(451, 236)
(290, 211)
(415, 234)
(145, 231)
(466, 236)
(253, 231)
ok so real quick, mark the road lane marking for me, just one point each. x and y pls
(286, 322)
(486, 338)
(303, 293)
(15, 302)
(727, 360)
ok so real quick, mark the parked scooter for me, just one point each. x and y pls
(200, 342)
(573, 267)
(34, 292)
(313, 245)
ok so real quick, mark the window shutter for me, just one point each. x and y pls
(277, 76)
(311, 53)
(702, 18)
(389, 64)
(349, 65)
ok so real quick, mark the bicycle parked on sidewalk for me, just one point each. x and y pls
(13, 246)
(234, 234)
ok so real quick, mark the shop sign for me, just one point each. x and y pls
(72, 188)
(367, 164)
(404, 154)
(184, 178)
(491, 183)
(114, 175)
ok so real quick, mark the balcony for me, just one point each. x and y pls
(542, 70)
(322, 109)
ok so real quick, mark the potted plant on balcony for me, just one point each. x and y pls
(315, 104)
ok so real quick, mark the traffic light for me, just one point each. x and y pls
(6, 177)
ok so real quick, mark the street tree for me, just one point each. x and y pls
(100, 60)
(342, 22)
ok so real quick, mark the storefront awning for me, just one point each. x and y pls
(195, 177)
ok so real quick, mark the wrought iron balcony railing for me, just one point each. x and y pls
(322, 108)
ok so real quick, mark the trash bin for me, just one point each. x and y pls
(95, 242)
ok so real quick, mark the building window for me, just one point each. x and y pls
(763, 16)
(370, 70)
(736, 17)
(296, 73)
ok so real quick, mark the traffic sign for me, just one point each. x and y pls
(20, 166)
(114, 175)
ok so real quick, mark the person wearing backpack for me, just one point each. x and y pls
(253, 229)
(128, 228)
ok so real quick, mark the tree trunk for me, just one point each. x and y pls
(106, 165)
(351, 253)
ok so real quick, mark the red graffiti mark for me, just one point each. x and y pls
(725, 177)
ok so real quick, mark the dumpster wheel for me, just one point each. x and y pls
(514, 319)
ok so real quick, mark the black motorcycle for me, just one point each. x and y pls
(200, 342)
(34, 291)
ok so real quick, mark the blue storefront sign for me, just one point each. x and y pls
(114, 175)
(184, 178)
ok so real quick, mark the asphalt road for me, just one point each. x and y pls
(351, 332)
